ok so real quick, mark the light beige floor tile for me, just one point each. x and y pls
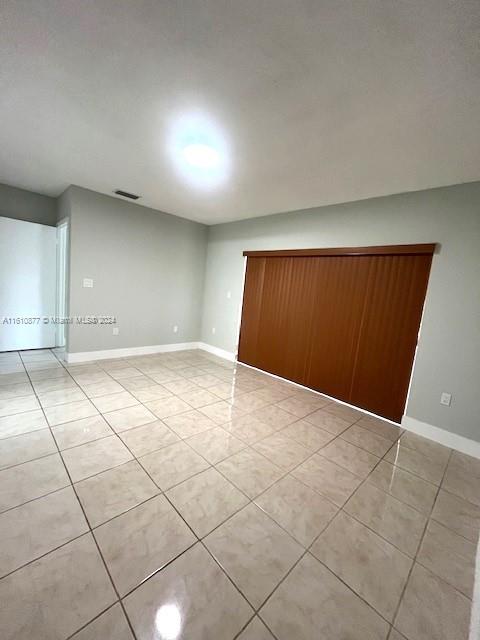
(189, 423)
(12, 406)
(346, 455)
(198, 398)
(222, 412)
(72, 434)
(147, 438)
(49, 374)
(56, 595)
(282, 451)
(33, 529)
(380, 427)
(206, 500)
(54, 384)
(206, 381)
(225, 390)
(449, 556)
(274, 416)
(457, 514)
(152, 392)
(61, 396)
(415, 462)
(191, 598)
(114, 401)
(16, 390)
(312, 603)
(31, 480)
(125, 372)
(272, 395)
(250, 471)
(393, 520)
(254, 551)
(94, 457)
(426, 447)
(111, 625)
(102, 388)
(216, 444)
(13, 378)
(301, 511)
(180, 386)
(25, 447)
(328, 422)
(173, 464)
(94, 377)
(129, 418)
(431, 608)
(249, 428)
(165, 407)
(462, 478)
(306, 434)
(300, 407)
(367, 440)
(333, 482)
(70, 411)
(342, 411)
(358, 556)
(395, 635)
(141, 541)
(256, 630)
(136, 383)
(22, 423)
(112, 492)
(405, 486)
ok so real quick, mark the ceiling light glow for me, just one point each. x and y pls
(199, 151)
(201, 156)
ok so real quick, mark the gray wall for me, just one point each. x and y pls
(448, 357)
(148, 271)
(26, 205)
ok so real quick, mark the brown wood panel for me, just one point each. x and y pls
(251, 311)
(385, 250)
(340, 294)
(284, 333)
(389, 332)
(345, 325)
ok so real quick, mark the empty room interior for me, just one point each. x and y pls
(239, 320)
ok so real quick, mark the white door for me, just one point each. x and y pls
(27, 285)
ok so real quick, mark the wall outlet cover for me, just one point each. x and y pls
(116, 331)
(88, 283)
(446, 399)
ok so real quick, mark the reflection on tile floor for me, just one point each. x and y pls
(182, 496)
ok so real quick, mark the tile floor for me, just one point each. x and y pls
(180, 496)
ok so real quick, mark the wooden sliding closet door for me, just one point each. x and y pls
(342, 321)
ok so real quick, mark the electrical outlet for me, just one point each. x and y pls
(115, 331)
(88, 283)
(446, 399)
(213, 330)
(229, 294)
(175, 329)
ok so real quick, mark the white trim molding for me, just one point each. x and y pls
(221, 353)
(85, 356)
(447, 438)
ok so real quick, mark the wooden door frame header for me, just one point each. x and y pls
(387, 250)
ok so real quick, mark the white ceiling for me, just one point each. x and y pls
(320, 101)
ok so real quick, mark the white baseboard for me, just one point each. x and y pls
(85, 356)
(221, 353)
(447, 438)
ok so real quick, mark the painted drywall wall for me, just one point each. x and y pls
(147, 269)
(27, 205)
(448, 356)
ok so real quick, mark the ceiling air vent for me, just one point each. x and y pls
(125, 194)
